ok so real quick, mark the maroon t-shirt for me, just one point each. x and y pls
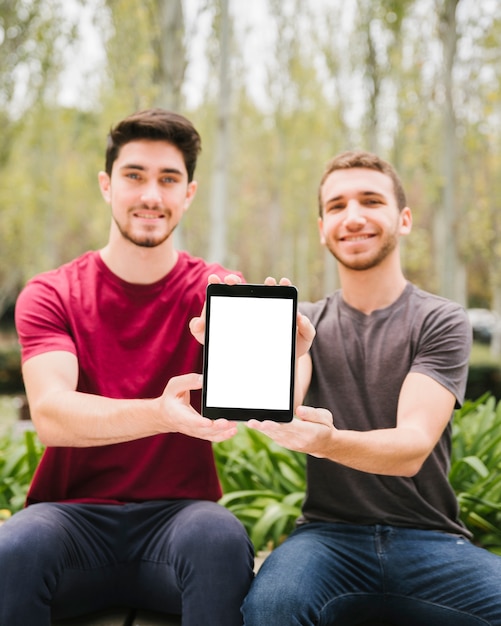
(130, 339)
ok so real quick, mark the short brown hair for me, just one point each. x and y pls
(352, 159)
(156, 125)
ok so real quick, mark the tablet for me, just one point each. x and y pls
(249, 352)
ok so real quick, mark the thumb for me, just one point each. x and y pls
(178, 385)
(311, 414)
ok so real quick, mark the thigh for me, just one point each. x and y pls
(302, 580)
(40, 547)
(193, 554)
(445, 575)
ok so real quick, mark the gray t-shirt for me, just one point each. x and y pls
(359, 364)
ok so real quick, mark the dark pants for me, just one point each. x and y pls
(61, 560)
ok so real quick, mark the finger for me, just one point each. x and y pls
(285, 282)
(270, 281)
(214, 279)
(305, 327)
(232, 279)
(267, 427)
(178, 385)
(311, 414)
(220, 430)
(197, 328)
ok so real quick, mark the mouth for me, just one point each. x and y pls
(148, 215)
(356, 238)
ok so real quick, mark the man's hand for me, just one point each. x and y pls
(181, 417)
(197, 324)
(312, 431)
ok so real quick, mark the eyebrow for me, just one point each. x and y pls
(164, 170)
(364, 194)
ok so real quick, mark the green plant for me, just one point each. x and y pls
(475, 472)
(263, 484)
(18, 460)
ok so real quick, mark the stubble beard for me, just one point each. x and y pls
(363, 263)
(143, 240)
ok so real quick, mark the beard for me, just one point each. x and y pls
(366, 261)
(143, 239)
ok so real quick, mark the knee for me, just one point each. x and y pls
(270, 603)
(216, 528)
(27, 534)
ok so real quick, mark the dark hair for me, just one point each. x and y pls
(157, 125)
(351, 159)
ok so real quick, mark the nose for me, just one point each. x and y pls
(353, 217)
(151, 195)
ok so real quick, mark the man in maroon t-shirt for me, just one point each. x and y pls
(122, 509)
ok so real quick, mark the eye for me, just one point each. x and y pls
(338, 206)
(373, 202)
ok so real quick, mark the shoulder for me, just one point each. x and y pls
(436, 309)
(85, 263)
(315, 311)
(58, 282)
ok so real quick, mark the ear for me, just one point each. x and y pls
(405, 221)
(105, 186)
(320, 223)
(190, 194)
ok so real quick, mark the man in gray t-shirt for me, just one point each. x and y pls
(380, 537)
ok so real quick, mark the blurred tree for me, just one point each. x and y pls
(324, 77)
(451, 270)
(170, 57)
(33, 36)
(218, 208)
(379, 30)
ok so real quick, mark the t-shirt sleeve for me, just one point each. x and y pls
(444, 349)
(41, 321)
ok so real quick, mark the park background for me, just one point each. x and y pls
(276, 87)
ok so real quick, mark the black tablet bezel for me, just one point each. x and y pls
(288, 292)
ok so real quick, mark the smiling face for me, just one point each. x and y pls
(148, 191)
(361, 222)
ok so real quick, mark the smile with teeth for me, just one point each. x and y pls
(356, 238)
(149, 216)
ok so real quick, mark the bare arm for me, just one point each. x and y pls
(303, 378)
(424, 409)
(66, 417)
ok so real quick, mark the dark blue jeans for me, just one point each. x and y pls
(342, 575)
(62, 560)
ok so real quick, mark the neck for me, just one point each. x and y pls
(136, 264)
(369, 290)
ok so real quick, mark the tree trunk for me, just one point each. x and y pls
(171, 57)
(219, 191)
(450, 267)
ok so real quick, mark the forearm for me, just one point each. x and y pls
(71, 418)
(390, 452)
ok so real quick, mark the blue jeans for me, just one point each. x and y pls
(63, 560)
(339, 574)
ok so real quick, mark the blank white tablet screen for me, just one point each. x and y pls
(249, 353)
